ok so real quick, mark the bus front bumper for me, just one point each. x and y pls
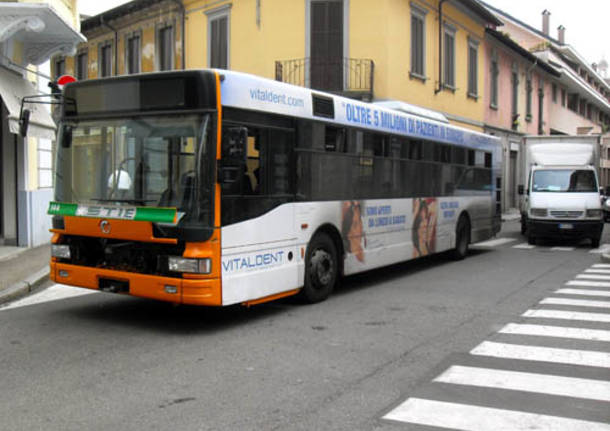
(564, 228)
(177, 290)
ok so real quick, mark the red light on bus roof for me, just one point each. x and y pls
(65, 79)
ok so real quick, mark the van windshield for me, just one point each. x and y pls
(564, 181)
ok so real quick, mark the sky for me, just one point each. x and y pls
(587, 22)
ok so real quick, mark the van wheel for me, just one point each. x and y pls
(531, 240)
(595, 242)
(462, 238)
(321, 269)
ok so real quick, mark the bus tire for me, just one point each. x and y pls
(462, 238)
(321, 269)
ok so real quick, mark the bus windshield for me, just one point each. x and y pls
(145, 161)
(564, 181)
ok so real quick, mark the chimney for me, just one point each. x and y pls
(561, 34)
(546, 21)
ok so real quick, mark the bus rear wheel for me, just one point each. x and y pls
(462, 238)
(321, 269)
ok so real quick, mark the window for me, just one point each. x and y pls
(132, 54)
(528, 98)
(515, 97)
(45, 163)
(563, 97)
(218, 38)
(165, 44)
(60, 67)
(81, 66)
(494, 79)
(554, 92)
(418, 46)
(449, 57)
(105, 59)
(473, 68)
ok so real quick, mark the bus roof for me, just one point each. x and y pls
(241, 90)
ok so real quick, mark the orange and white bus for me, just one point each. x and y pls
(213, 187)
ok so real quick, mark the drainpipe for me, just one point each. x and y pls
(116, 45)
(440, 47)
(183, 14)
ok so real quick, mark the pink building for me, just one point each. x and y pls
(517, 102)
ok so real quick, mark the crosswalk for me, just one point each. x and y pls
(498, 242)
(549, 370)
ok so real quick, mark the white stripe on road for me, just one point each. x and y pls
(524, 245)
(593, 277)
(556, 331)
(597, 271)
(588, 283)
(568, 315)
(584, 292)
(601, 265)
(527, 382)
(602, 249)
(495, 242)
(562, 248)
(52, 293)
(543, 354)
(577, 302)
(465, 417)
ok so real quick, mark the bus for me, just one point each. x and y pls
(213, 187)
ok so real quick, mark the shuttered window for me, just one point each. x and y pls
(473, 68)
(219, 42)
(165, 52)
(105, 61)
(418, 20)
(81, 66)
(132, 54)
(449, 58)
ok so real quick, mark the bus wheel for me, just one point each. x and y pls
(321, 269)
(462, 238)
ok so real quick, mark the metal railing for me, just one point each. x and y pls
(339, 75)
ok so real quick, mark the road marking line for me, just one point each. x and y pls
(598, 271)
(556, 331)
(568, 315)
(583, 292)
(588, 283)
(495, 242)
(524, 245)
(562, 248)
(528, 382)
(601, 265)
(602, 249)
(544, 354)
(466, 417)
(593, 277)
(52, 293)
(577, 302)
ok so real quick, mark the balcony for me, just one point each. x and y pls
(350, 77)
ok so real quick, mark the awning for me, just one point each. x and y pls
(13, 87)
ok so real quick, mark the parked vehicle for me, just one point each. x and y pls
(561, 195)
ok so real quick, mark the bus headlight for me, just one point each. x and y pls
(594, 213)
(61, 251)
(538, 212)
(182, 264)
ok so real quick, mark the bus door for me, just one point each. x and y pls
(257, 213)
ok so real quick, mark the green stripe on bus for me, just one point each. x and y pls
(156, 215)
(59, 208)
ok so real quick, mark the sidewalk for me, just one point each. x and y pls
(22, 269)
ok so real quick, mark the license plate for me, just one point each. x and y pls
(566, 226)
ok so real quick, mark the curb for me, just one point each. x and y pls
(25, 286)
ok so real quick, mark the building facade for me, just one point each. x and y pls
(30, 33)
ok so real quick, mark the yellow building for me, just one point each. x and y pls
(387, 49)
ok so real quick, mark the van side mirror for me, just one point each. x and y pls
(520, 189)
(24, 122)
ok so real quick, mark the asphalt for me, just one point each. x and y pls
(22, 270)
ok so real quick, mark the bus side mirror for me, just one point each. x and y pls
(234, 143)
(24, 122)
(521, 189)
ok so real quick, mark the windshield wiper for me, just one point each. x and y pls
(129, 201)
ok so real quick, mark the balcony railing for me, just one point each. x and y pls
(352, 77)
